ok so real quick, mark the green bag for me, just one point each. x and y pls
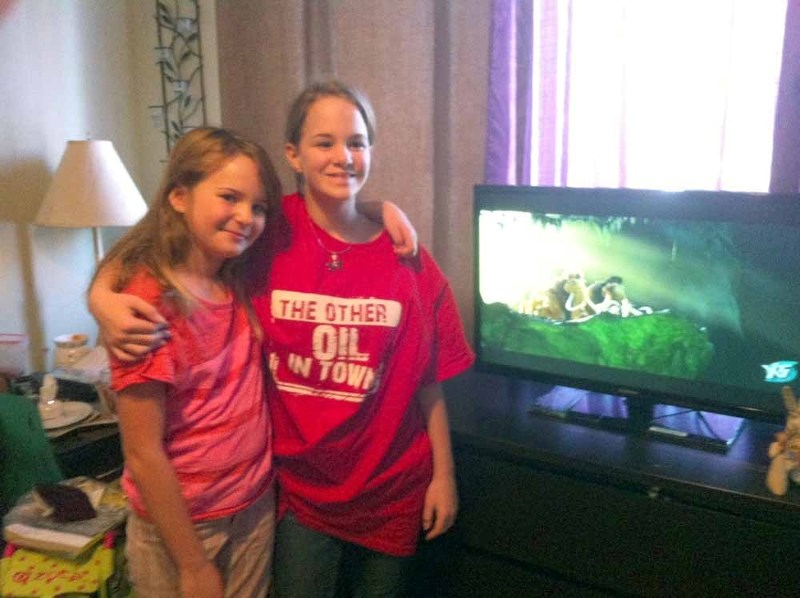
(26, 457)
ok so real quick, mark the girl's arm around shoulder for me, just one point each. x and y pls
(130, 327)
(140, 410)
(396, 223)
(441, 498)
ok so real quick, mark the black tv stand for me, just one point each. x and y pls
(641, 414)
(638, 415)
(698, 429)
(548, 506)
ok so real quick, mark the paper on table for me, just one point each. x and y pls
(43, 537)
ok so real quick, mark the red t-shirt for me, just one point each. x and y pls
(216, 423)
(348, 350)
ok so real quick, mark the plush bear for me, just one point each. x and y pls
(784, 452)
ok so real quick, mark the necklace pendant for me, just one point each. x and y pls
(334, 263)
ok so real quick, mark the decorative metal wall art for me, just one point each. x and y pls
(179, 56)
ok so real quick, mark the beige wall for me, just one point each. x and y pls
(71, 69)
(423, 64)
(78, 68)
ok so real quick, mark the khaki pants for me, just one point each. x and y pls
(240, 546)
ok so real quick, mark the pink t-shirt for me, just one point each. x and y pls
(348, 350)
(217, 426)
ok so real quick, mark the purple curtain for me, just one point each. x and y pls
(785, 176)
(508, 134)
(509, 124)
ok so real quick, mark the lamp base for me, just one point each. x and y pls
(98, 244)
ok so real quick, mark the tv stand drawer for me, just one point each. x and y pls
(616, 538)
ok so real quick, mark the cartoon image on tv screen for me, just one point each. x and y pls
(681, 299)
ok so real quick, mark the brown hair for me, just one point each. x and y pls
(161, 241)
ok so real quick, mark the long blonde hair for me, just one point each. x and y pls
(161, 240)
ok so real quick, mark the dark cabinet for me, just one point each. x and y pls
(549, 507)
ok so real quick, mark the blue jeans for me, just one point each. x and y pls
(310, 564)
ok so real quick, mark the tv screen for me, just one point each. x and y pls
(678, 298)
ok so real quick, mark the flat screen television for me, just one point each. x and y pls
(679, 312)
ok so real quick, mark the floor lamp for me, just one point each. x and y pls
(91, 188)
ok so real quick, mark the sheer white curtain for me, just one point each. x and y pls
(649, 94)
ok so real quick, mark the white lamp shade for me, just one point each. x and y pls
(91, 188)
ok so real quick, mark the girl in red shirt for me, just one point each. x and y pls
(358, 343)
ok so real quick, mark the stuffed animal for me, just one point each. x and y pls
(784, 452)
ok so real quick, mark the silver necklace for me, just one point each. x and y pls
(334, 257)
